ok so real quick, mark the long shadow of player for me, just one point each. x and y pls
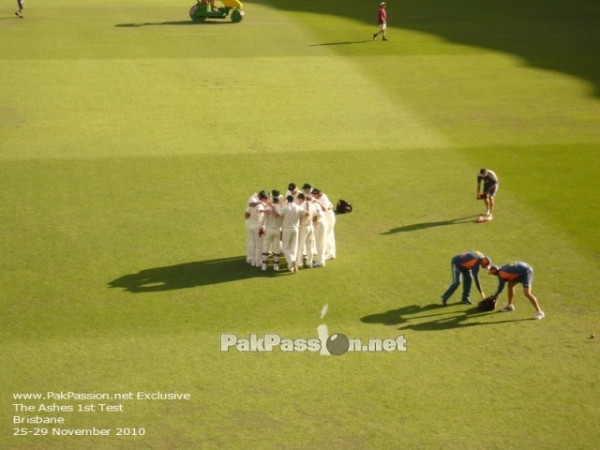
(423, 225)
(411, 318)
(398, 316)
(189, 275)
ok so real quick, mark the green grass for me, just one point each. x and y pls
(130, 140)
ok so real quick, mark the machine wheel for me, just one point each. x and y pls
(193, 15)
(237, 15)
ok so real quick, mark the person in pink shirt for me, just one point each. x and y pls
(382, 21)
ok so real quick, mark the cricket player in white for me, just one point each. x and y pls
(272, 237)
(307, 189)
(319, 227)
(329, 216)
(291, 214)
(252, 202)
(293, 191)
(306, 235)
(257, 218)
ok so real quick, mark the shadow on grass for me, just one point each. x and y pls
(179, 22)
(341, 43)
(421, 226)
(445, 318)
(190, 275)
(555, 35)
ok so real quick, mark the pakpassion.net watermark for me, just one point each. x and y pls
(336, 344)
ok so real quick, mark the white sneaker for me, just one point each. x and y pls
(489, 217)
(539, 315)
(508, 308)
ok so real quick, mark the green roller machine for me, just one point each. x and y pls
(204, 9)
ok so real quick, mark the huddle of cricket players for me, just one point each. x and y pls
(298, 226)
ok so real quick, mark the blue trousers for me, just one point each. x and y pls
(466, 279)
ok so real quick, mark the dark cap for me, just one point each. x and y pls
(275, 193)
(292, 186)
(290, 198)
(306, 186)
(316, 191)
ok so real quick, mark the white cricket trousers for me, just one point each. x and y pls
(306, 238)
(289, 244)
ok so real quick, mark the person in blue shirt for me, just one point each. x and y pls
(466, 264)
(517, 272)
